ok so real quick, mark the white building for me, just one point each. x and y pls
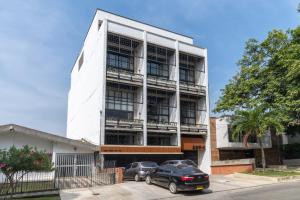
(12, 134)
(140, 92)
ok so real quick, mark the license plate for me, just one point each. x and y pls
(199, 188)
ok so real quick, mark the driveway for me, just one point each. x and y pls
(131, 190)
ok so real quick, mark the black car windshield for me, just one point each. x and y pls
(183, 169)
(149, 164)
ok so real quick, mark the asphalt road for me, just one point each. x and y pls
(279, 191)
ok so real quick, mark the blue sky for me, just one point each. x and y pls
(39, 41)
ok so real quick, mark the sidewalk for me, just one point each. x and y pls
(131, 190)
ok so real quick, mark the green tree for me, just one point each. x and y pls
(22, 161)
(268, 77)
(255, 122)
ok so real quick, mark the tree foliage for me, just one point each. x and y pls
(269, 77)
(256, 122)
(22, 161)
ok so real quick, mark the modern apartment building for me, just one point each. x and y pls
(140, 92)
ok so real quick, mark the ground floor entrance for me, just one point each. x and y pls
(124, 159)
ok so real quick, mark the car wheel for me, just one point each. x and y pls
(137, 178)
(173, 188)
(148, 180)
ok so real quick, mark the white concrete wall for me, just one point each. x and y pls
(223, 138)
(205, 164)
(87, 85)
(19, 140)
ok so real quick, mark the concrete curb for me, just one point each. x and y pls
(266, 178)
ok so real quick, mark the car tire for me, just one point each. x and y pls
(137, 178)
(148, 180)
(173, 188)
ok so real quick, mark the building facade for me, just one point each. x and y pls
(140, 92)
(231, 155)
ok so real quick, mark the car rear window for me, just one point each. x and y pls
(149, 164)
(188, 169)
(188, 162)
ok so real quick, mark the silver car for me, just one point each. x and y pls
(139, 170)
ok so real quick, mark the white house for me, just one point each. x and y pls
(19, 136)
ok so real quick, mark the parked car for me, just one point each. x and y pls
(139, 170)
(179, 162)
(178, 178)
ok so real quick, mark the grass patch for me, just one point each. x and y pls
(273, 173)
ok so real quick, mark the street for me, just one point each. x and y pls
(279, 191)
(223, 188)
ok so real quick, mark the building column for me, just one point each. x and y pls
(144, 72)
(102, 109)
(177, 93)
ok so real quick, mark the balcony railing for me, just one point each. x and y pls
(161, 126)
(118, 75)
(123, 124)
(160, 82)
(193, 129)
(191, 88)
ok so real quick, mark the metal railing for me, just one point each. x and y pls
(121, 75)
(193, 128)
(28, 183)
(161, 82)
(123, 123)
(155, 125)
(192, 88)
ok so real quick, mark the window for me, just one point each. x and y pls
(80, 62)
(158, 109)
(188, 113)
(158, 69)
(119, 102)
(187, 68)
(159, 140)
(121, 62)
(134, 165)
(159, 60)
(119, 138)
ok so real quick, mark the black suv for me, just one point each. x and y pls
(139, 170)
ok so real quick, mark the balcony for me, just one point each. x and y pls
(192, 89)
(162, 127)
(193, 129)
(122, 76)
(123, 124)
(161, 83)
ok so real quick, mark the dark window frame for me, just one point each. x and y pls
(157, 110)
(119, 102)
(187, 112)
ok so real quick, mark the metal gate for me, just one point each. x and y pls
(77, 170)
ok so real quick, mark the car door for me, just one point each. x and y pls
(133, 170)
(156, 177)
(164, 177)
(127, 170)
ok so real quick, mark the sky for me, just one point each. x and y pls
(40, 40)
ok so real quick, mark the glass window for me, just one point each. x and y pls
(119, 103)
(188, 113)
(158, 109)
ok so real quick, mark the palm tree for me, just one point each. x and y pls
(255, 122)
